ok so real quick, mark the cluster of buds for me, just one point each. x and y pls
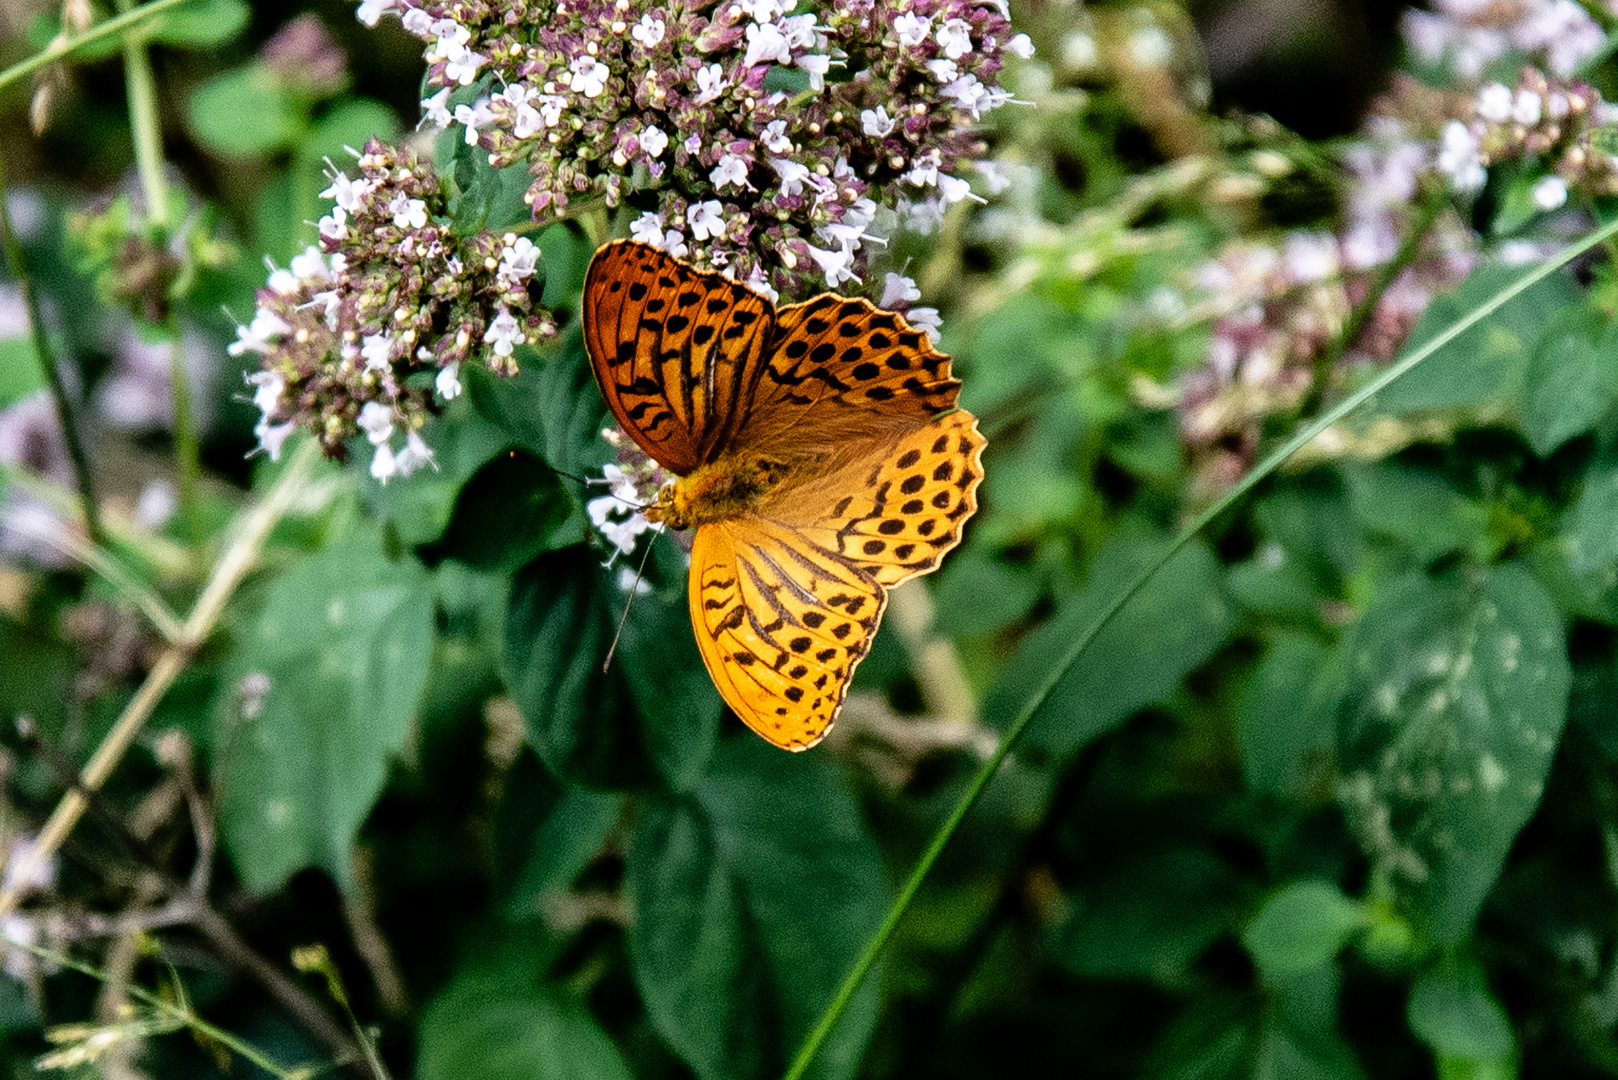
(368, 332)
(1556, 121)
(753, 141)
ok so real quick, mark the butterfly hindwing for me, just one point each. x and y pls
(674, 350)
(897, 512)
(781, 625)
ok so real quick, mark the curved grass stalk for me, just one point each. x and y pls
(63, 49)
(878, 941)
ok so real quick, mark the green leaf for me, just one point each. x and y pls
(1457, 693)
(1286, 719)
(1301, 927)
(1176, 622)
(419, 507)
(1295, 1038)
(487, 1026)
(551, 407)
(1592, 521)
(1453, 1011)
(1573, 379)
(244, 113)
(20, 373)
(348, 124)
(655, 714)
(1421, 510)
(979, 594)
(1487, 361)
(753, 894)
(1151, 917)
(202, 24)
(568, 837)
(345, 640)
(511, 509)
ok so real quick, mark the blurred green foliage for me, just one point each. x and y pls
(1332, 797)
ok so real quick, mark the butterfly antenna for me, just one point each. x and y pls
(606, 664)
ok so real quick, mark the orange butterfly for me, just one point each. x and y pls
(818, 458)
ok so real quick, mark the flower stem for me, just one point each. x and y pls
(60, 50)
(66, 410)
(1054, 675)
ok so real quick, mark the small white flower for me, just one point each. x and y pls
(955, 38)
(1527, 108)
(417, 22)
(693, 144)
(793, 174)
(376, 420)
(347, 193)
(731, 171)
(653, 141)
(757, 282)
(1550, 193)
(334, 226)
(711, 83)
(472, 117)
(408, 213)
(648, 228)
(589, 76)
(435, 109)
(1458, 158)
(269, 386)
(994, 176)
(705, 219)
(763, 10)
(673, 242)
(1020, 46)
(463, 68)
(370, 11)
(504, 333)
(876, 122)
(448, 382)
(415, 455)
(837, 265)
(384, 466)
(272, 436)
(766, 42)
(311, 265)
(898, 289)
(912, 29)
(802, 33)
(1494, 103)
(1310, 257)
(968, 94)
(943, 70)
(649, 31)
(954, 189)
(925, 318)
(518, 261)
(629, 580)
(1151, 47)
(816, 66)
(256, 335)
(774, 137)
(377, 350)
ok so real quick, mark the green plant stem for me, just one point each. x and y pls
(66, 410)
(240, 554)
(873, 949)
(175, 1011)
(61, 50)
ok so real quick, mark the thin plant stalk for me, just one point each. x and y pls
(66, 410)
(240, 555)
(61, 50)
(878, 941)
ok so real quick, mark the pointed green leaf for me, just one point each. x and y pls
(340, 653)
(1573, 379)
(1457, 693)
(752, 896)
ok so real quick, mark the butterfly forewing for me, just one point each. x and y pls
(835, 368)
(781, 625)
(674, 350)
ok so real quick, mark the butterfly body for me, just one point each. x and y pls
(820, 457)
(726, 489)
